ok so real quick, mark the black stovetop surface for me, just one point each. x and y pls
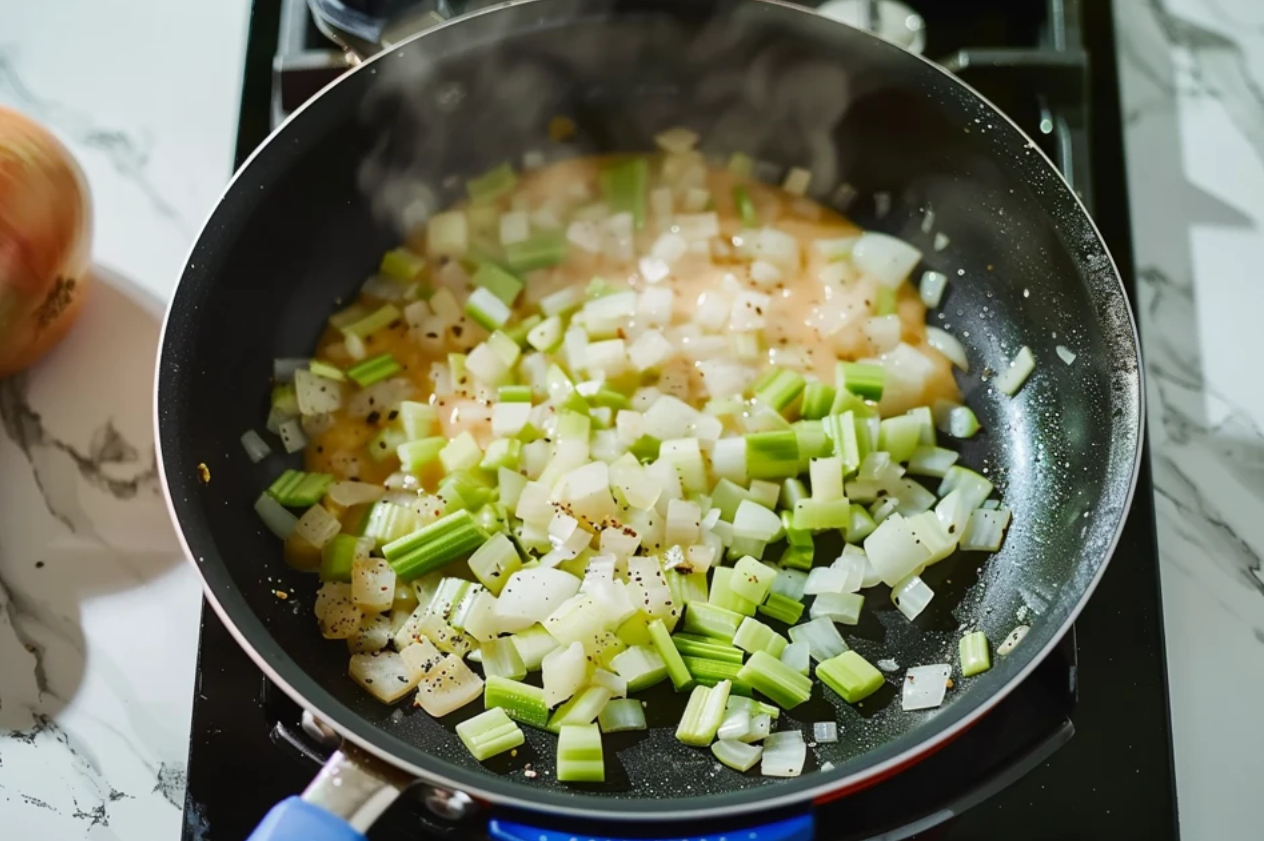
(1082, 750)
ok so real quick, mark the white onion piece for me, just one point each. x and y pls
(925, 686)
(853, 564)
(941, 242)
(381, 397)
(932, 288)
(354, 493)
(279, 520)
(317, 526)
(372, 582)
(448, 687)
(790, 583)
(317, 395)
(825, 732)
(292, 437)
(895, 551)
(531, 595)
(797, 181)
(784, 754)
(1012, 641)
(256, 448)
(383, 675)
(843, 608)
(564, 672)
(1065, 354)
(1011, 379)
(883, 332)
(911, 596)
(949, 346)
(822, 638)
(798, 656)
(825, 580)
(884, 258)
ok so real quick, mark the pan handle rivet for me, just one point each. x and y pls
(446, 804)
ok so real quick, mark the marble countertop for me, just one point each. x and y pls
(98, 628)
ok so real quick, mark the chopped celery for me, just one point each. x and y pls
(692, 645)
(754, 635)
(851, 676)
(752, 580)
(772, 455)
(514, 394)
(621, 715)
(418, 419)
(703, 714)
(336, 557)
(486, 309)
(296, 489)
(711, 621)
(414, 456)
(975, 657)
(861, 378)
(494, 561)
(402, 264)
(814, 515)
(326, 370)
(490, 733)
(499, 282)
(520, 701)
(434, 546)
(493, 184)
(745, 207)
(899, 436)
(640, 666)
(625, 187)
(547, 248)
(723, 597)
(582, 708)
(383, 317)
(780, 388)
(676, 669)
(817, 399)
(502, 452)
(774, 679)
(782, 608)
(579, 754)
(710, 672)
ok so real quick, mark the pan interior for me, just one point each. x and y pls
(308, 218)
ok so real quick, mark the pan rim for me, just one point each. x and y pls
(785, 793)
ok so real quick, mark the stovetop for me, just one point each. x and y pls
(1081, 750)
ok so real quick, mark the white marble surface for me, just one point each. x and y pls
(98, 610)
(98, 614)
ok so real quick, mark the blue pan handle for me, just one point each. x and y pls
(344, 800)
(797, 828)
(294, 819)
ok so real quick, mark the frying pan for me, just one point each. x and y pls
(306, 218)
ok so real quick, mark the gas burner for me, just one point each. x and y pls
(887, 19)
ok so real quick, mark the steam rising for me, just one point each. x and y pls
(481, 90)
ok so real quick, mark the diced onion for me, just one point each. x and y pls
(884, 258)
(932, 288)
(925, 686)
(825, 732)
(949, 346)
(256, 448)
(1065, 354)
(1012, 378)
(911, 596)
(317, 526)
(784, 754)
(354, 493)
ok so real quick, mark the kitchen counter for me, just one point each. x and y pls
(98, 611)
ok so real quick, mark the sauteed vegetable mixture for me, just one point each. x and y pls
(619, 421)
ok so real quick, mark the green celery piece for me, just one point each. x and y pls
(851, 676)
(434, 546)
(777, 681)
(975, 657)
(336, 558)
(493, 184)
(520, 701)
(625, 187)
(547, 248)
(676, 669)
(499, 282)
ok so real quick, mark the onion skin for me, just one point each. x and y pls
(45, 241)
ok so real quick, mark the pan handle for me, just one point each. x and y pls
(351, 791)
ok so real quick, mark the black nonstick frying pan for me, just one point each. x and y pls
(307, 217)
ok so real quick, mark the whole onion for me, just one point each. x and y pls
(45, 239)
